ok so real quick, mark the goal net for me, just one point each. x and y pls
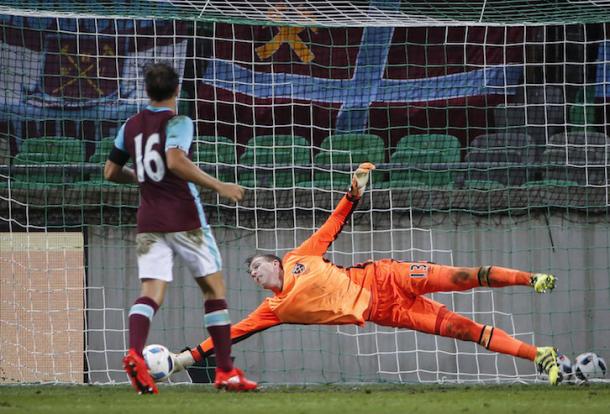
(487, 120)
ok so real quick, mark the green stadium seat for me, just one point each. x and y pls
(448, 145)
(60, 149)
(36, 175)
(424, 149)
(96, 179)
(422, 175)
(402, 184)
(347, 149)
(103, 148)
(277, 161)
(582, 113)
(325, 162)
(278, 141)
(337, 185)
(214, 152)
(184, 103)
(39, 153)
(483, 185)
(349, 142)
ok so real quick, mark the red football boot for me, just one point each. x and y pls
(136, 369)
(233, 380)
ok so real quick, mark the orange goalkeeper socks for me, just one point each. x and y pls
(454, 325)
(500, 341)
(501, 276)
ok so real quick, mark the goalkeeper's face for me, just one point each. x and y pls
(266, 273)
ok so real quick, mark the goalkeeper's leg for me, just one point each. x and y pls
(440, 278)
(457, 326)
(454, 325)
(429, 316)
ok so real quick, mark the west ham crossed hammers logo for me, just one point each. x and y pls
(287, 34)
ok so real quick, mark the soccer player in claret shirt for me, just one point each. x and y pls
(309, 289)
(170, 221)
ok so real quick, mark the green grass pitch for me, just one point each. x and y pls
(371, 399)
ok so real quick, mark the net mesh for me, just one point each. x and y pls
(330, 12)
(488, 122)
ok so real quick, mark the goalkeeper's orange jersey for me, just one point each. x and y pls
(315, 291)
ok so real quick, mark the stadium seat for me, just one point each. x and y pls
(539, 121)
(585, 166)
(39, 153)
(502, 147)
(501, 141)
(424, 149)
(336, 167)
(60, 149)
(184, 103)
(580, 156)
(551, 183)
(96, 178)
(582, 112)
(484, 185)
(491, 168)
(350, 142)
(277, 161)
(341, 154)
(580, 138)
(102, 149)
(419, 172)
(217, 155)
(448, 145)
(32, 173)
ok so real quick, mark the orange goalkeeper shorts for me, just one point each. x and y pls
(396, 304)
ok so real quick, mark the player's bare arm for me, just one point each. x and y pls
(183, 167)
(119, 174)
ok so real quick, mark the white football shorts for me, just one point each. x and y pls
(197, 248)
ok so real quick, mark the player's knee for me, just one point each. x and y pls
(463, 276)
(458, 332)
(459, 327)
(212, 286)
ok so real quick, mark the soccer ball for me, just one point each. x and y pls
(565, 368)
(589, 365)
(159, 360)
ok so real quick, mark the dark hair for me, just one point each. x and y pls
(267, 257)
(161, 81)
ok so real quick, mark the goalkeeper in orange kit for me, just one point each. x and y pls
(309, 289)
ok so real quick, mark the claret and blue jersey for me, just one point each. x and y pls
(167, 202)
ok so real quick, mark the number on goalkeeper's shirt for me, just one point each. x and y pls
(418, 269)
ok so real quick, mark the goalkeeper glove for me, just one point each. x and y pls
(360, 179)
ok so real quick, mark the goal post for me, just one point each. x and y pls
(487, 120)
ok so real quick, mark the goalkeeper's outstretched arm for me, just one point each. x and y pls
(320, 241)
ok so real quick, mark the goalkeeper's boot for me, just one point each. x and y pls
(546, 361)
(542, 282)
(233, 380)
(137, 371)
